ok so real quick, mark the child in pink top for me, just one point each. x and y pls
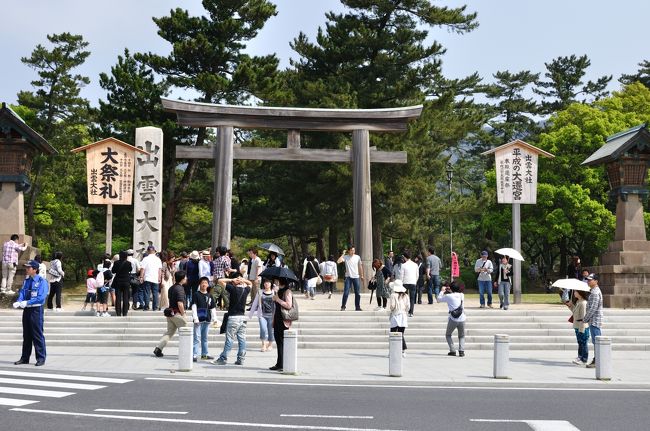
(91, 290)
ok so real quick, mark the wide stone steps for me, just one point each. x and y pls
(528, 330)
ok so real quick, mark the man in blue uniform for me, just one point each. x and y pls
(31, 299)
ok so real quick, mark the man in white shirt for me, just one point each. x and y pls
(151, 277)
(484, 268)
(353, 276)
(254, 272)
(410, 273)
(204, 265)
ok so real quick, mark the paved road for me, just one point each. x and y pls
(83, 401)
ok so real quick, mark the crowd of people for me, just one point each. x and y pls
(193, 286)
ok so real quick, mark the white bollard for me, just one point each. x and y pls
(395, 354)
(501, 356)
(290, 352)
(603, 358)
(185, 345)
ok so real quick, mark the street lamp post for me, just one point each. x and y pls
(450, 176)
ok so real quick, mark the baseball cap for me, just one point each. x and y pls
(151, 247)
(484, 253)
(33, 264)
(592, 276)
(130, 252)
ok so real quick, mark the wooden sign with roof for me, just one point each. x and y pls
(516, 166)
(109, 171)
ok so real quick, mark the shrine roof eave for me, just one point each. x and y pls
(617, 145)
(30, 135)
(196, 114)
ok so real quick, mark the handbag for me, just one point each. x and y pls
(224, 324)
(372, 284)
(457, 312)
(292, 313)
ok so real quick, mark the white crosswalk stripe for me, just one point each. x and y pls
(26, 386)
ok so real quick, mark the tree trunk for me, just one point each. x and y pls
(333, 242)
(176, 193)
(377, 243)
(320, 247)
(294, 252)
(563, 257)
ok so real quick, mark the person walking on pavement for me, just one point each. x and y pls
(455, 303)
(484, 268)
(594, 314)
(410, 274)
(399, 306)
(283, 299)
(175, 314)
(122, 283)
(330, 275)
(10, 251)
(31, 299)
(434, 265)
(353, 275)
(238, 290)
(504, 283)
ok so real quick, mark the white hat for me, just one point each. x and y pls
(194, 255)
(397, 286)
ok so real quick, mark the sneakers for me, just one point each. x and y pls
(342, 308)
(451, 354)
(482, 306)
(403, 354)
(8, 292)
(207, 358)
(158, 352)
(218, 361)
(329, 296)
(461, 353)
(194, 359)
(592, 364)
(579, 361)
(239, 362)
(410, 314)
(58, 310)
(378, 309)
(98, 314)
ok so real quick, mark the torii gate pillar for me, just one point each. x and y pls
(361, 198)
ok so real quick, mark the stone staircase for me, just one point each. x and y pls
(528, 330)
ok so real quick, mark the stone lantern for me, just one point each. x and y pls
(19, 144)
(625, 266)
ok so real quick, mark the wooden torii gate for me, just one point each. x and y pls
(358, 121)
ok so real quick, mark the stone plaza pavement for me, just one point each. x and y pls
(544, 368)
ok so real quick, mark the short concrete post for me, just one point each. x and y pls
(185, 345)
(290, 352)
(395, 354)
(501, 356)
(603, 358)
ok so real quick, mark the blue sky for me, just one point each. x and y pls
(513, 34)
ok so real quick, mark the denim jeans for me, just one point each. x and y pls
(201, 336)
(148, 289)
(266, 327)
(346, 291)
(236, 328)
(594, 331)
(433, 288)
(485, 286)
(504, 294)
(583, 344)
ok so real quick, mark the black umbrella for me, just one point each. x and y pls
(279, 272)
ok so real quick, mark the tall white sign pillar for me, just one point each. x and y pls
(147, 196)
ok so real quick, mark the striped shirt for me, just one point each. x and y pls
(594, 315)
(10, 251)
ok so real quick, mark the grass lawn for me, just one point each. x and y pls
(527, 298)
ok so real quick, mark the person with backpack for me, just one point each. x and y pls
(455, 302)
